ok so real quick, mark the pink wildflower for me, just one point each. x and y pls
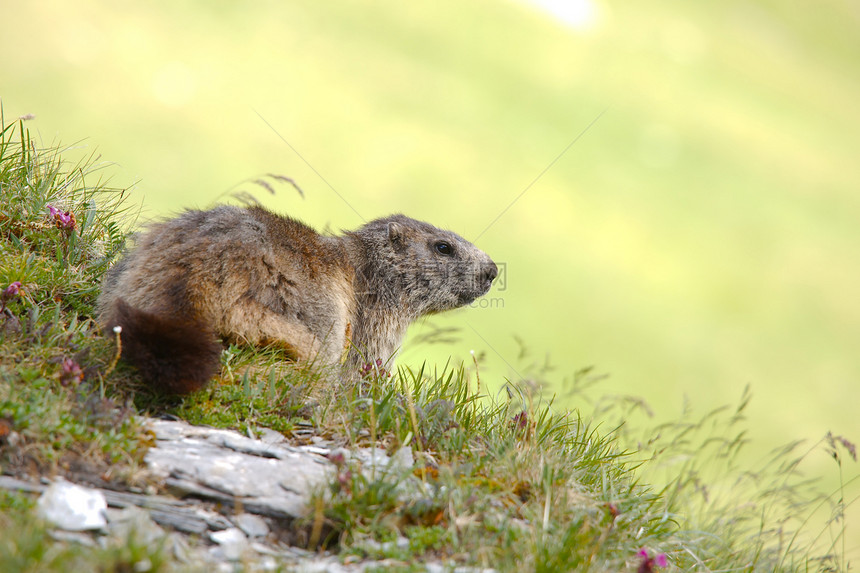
(63, 219)
(648, 563)
(520, 421)
(11, 290)
(71, 372)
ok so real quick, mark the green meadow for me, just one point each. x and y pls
(673, 188)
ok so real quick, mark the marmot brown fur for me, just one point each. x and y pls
(249, 275)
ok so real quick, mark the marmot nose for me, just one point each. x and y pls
(489, 273)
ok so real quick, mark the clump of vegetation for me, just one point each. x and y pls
(26, 545)
(257, 388)
(510, 482)
(60, 227)
(455, 474)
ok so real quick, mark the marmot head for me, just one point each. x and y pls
(421, 268)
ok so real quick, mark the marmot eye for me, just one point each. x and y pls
(444, 248)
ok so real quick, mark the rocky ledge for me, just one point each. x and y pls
(228, 499)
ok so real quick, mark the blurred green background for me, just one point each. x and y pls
(703, 234)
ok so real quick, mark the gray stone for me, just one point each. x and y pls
(371, 545)
(373, 460)
(72, 507)
(181, 515)
(402, 460)
(317, 450)
(232, 542)
(252, 525)
(177, 545)
(439, 568)
(269, 436)
(134, 522)
(376, 460)
(223, 465)
(265, 477)
(73, 537)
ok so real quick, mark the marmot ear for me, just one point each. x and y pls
(397, 234)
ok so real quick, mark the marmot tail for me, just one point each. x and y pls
(174, 356)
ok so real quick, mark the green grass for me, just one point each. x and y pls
(52, 358)
(508, 482)
(504, 479)
(27, 547)
(256, 389)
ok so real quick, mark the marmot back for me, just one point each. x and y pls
(249, 275)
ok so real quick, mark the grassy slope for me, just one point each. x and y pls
(703, 234)
(508, 482)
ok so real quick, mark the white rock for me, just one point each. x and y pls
(345, 453)
(373, 460)
(177, 545)
(72, 507)
(439, 568)
(232, 542)
(320, 451)
(264, 478)
(269, 436)
(85, 539)
(252, 525)
(402, 460)
(386, 547)
(134, 523)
